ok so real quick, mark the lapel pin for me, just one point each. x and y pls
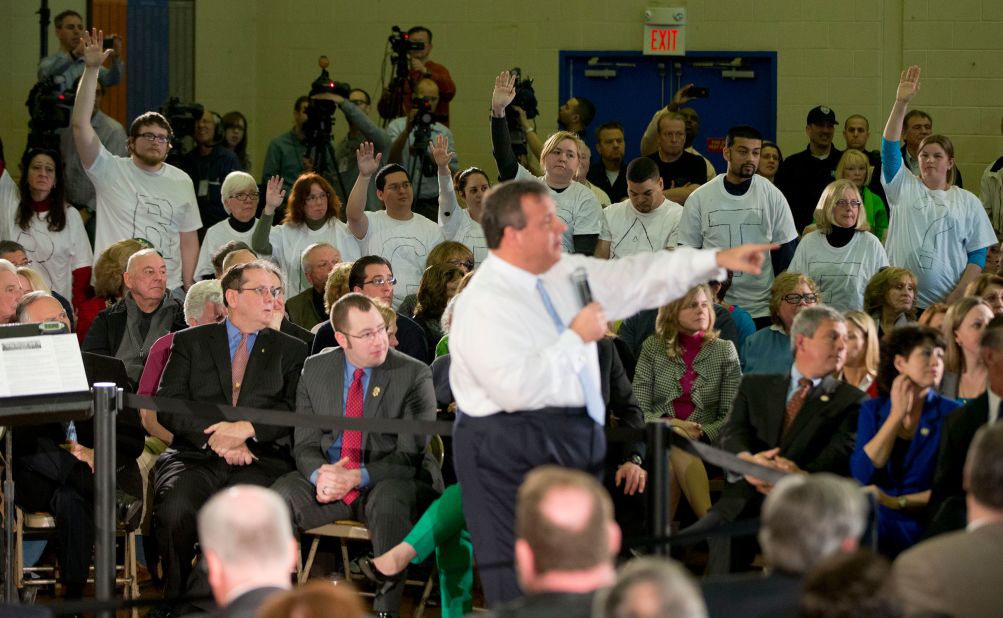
(824, 398)
(924, 431)
(376, 391)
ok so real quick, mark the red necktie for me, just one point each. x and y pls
(238, 366)
(796, 403)
(351, 441)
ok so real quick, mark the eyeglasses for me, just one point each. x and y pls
(317, 197)
(244, 197)
(400, 186)
(380, 281)
(369, 336)
(153, 137)
(261, 290)
(845, 203)
(468, 264)
(796, 299)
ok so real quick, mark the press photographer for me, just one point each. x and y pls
(408, 53)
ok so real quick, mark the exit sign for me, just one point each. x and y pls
(664, 31)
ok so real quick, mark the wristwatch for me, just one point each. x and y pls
(636, 460)
(902, 502)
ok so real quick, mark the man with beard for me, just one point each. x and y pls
(208, 163)
(139, 196)
(740, 207)
(646, 221)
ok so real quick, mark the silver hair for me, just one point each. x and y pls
(26, 301)
(807, 321)
(247, 527)
(198, 295)
(808, 517)
(8, 266)
(235, 182)
(310, 248)
(139, 254)
(678, 594)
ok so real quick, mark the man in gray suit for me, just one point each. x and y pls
(958, 574)
(379, 479)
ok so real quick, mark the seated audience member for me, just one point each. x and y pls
(646, 221)
(311, 217)
(172, 220)
(240, 201)
(851, 585)
(653, 588)
(947, 499)
(898, 434)
(438, 286)
(768, 350)
(410, 154)
(956, 574)
(637, 328)
(50, 231)
(988, 287)
(609, 173)
(306, 309)
(10, 292)
(743, 321)
(770, 159)
(231, 253)
(109, 282)
(384, 479)
(804, 175)
(584, 161)
(208, 163)
(235, 137)
(853, 166)
(934, 316)
(14, 253)
(462, 224)
(964, 373)
(223, 364)
(811, 428)
(286, 155)
(576, 204)
(315, 599)
(805, 519)
(994, 259)
(688, 376)
(861, 366)
(248, 546)
(373, 276)
(335, 287)
(67, 65)
(946, 267)
(839, 254)
(442, 348)
(32, 281)
(390, 319)
(446, 253)
(147, 311)
(565, 543)
(889, 298)
(282, 323)
(394, 232)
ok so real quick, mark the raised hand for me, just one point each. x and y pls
(94, 52)
(908, 84)
(368, 164)
(440, 152)
(274, 194)
(503, 93)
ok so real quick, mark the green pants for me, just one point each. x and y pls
(443, 528)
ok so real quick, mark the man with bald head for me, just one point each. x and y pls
(306, 309)
(41, 307)
(129, 328)
(10, 291)
(410, 136)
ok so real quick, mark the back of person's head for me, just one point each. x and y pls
(809, 517)
(337, 284)
(226, 249)
(653, 588)
(315, 599)
(850, 585)
(247, 528)
(808, 320)
(984, 467)
(564, 518)
(642, 169)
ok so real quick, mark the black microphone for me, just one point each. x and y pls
(580, 279)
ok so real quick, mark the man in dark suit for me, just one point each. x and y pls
(248, 546)
(805, 519)
(237, 362)
(947, 498)
(383, 480)
(810, 429)
(958, 574)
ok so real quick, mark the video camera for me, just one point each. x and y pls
(183, 118)
(525, 98)
(320, 112)
(401, 43)
(49, 109)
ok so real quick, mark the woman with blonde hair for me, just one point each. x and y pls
(109, 285)
(687, 375)
(854, 166)
(934, 316)
(861, 366)
(768, 350)
(837, 254)
(965, 374)
(890, 297)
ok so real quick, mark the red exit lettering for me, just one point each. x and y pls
(664, 39)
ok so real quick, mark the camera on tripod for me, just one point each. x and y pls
(525, 99)
(401, 43)
(183, 118)
(49, 109)
(320, 112)
(424, 115)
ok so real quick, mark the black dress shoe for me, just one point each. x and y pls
(384, 582)
(128, 509)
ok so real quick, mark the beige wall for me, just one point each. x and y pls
(258, 55)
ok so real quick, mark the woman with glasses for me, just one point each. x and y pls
(889, 298)
(937, 230)
(311, 217)
(240, 201)
(769, 349)
(839, 254)
(988, 287)
(770, 159)
(438, 285)
(448, 253)
(965, 374)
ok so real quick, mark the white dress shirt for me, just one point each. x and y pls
(507, 354)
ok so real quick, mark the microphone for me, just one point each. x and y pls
(580, 279)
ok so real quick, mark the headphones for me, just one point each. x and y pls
(217, 136)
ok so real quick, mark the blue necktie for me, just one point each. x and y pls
(593, 398)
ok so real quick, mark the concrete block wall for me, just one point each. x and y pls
(258, 55)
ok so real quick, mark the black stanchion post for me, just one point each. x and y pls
(658, 440)
(106, 404)
(10, 566)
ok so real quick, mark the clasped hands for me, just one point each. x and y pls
(335, 480)
(768, 459)
(229, 441)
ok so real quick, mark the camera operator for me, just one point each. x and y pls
(574, 116)
(411, 137)
(420, 67)
(140, 196)
(67, 65)
(360, 129)
(207, 164)
(287, 154)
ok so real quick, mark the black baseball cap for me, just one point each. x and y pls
(821, 115)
